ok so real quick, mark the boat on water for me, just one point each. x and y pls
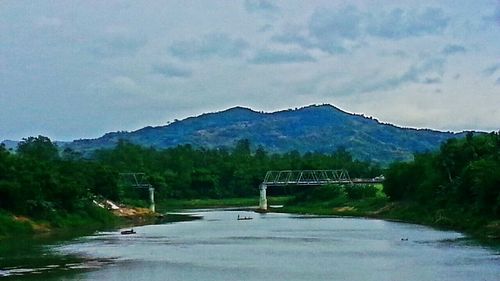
(244, 218)
(129, 231)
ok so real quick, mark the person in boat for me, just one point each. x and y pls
(131, 231)
(244, 218)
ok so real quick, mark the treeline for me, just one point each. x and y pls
(40, 182)
(40, 179)
(464, 175)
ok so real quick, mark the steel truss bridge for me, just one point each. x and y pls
(308, 178)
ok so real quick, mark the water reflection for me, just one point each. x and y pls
(283, 247)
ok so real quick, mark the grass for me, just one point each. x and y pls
(364, 207)
(179, 204)
(338, 200)
(11, 226)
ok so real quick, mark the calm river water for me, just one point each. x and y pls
(282, 247)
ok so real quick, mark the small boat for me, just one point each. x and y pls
(244, 218)
(130, 231)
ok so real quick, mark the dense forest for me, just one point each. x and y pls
(459, 182)
(39, 180)
(464, 175)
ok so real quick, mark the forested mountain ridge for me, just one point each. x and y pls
(316, 128)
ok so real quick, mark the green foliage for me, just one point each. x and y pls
(40, 183)
(36, 182)
(176, 204)
(188, 172)
(8, 225)
(464, 174)
(333, 195)
(358, 191)
(38, 148)
(320, 196)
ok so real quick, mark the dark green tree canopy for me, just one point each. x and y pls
(39, 148)
(465, 173)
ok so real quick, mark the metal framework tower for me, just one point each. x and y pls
(138, 180)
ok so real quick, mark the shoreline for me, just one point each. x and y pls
(487, 234)
(35, 253)
(26, 255)
(484, 230)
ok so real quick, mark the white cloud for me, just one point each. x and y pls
(261, 6)
(171, 71)
(453, 49)
(116, 41)
(134, 63)
(331, 30)
(279, 57)
(492, 69)
(124, 84)
(212, 45)
(399, 23)
(337, 30)
(416, 73)
(48, 22)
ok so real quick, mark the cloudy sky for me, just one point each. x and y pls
(79, 69)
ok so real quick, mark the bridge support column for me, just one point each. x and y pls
(263, 198)
(152, 199)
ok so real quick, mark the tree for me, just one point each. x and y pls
(40, 148)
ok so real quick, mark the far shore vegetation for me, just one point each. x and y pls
(45, 188)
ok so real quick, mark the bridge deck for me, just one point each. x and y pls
(312, 178)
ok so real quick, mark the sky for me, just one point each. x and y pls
(79, 69)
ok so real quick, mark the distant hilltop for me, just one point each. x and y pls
(315, 128)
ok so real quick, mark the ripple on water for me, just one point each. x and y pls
(89, 264)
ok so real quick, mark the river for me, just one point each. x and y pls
(280, 247)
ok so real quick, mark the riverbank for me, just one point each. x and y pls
(92, 218)
(485, 230)
(24, 241)
(171, 205)
(12, 225)
(29, 250)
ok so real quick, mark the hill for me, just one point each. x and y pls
(316, 128)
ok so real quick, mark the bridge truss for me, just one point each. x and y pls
(136, 180)
(306, 177)
(139, 180)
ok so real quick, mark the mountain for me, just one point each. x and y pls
(316, 128)
(10, 144)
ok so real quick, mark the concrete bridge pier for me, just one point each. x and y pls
(152, 199)
(263, 197)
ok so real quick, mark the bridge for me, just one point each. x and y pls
(139, 180)
(307, 178)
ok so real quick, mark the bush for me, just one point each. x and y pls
(357, 191)
(321, 193)
(9, 226)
